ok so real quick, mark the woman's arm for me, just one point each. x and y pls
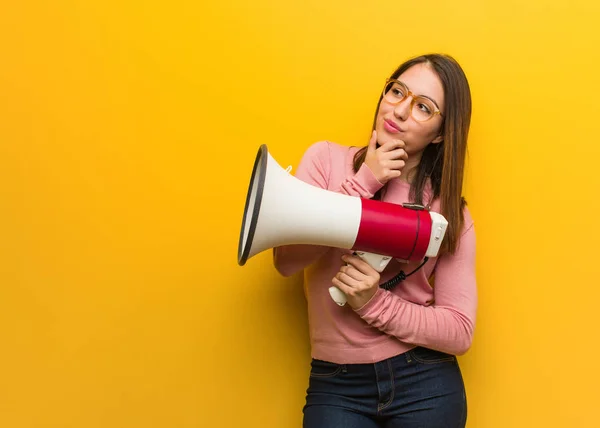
(448, 324)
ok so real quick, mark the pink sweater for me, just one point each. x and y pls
(414, 313)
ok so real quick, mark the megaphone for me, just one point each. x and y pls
(281, 209)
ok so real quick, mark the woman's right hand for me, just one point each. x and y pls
(387, 161)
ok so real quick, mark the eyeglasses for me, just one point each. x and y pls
(421, 108)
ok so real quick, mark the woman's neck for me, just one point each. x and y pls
(410, 168)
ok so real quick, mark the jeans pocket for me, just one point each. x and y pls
(319, 368)
(429, 356)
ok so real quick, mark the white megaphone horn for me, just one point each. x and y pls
(283, 210)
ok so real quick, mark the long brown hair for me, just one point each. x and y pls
(446, 177)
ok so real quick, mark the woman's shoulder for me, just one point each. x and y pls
(329, 148)
(326, 152)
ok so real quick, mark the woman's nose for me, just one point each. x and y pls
(402, 109)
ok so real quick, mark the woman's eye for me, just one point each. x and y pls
(424, 108)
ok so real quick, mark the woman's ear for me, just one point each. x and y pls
(438, 139)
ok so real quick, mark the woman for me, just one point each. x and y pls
(388, 358)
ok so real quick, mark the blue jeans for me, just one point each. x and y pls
(421, 388)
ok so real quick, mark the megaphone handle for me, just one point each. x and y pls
(376, 261)
(337, 295)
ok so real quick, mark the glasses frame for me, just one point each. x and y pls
(414, 100)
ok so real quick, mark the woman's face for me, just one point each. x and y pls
(395, 122)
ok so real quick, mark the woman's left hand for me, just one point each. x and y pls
(357, 280)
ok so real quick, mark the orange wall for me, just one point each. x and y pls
(127, 136)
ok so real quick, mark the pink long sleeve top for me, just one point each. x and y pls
(435, 307)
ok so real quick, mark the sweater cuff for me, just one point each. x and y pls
(367, 179)
(373, 303)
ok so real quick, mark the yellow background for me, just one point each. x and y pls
(127, 136)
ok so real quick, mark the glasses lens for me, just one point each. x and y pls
(394, 92)
(422, 109)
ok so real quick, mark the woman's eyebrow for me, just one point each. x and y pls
(424, 96)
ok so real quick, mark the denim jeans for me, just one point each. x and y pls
(421, 388)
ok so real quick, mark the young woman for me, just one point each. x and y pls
(388, 358)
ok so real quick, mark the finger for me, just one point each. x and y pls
(373, 141)
(394, 173)
(397, 154)
(343, 287)
(352, 272)
(388, 146)
(348, 280)
(397, 164)
(360, 265)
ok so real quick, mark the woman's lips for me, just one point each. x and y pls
(391, 127)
